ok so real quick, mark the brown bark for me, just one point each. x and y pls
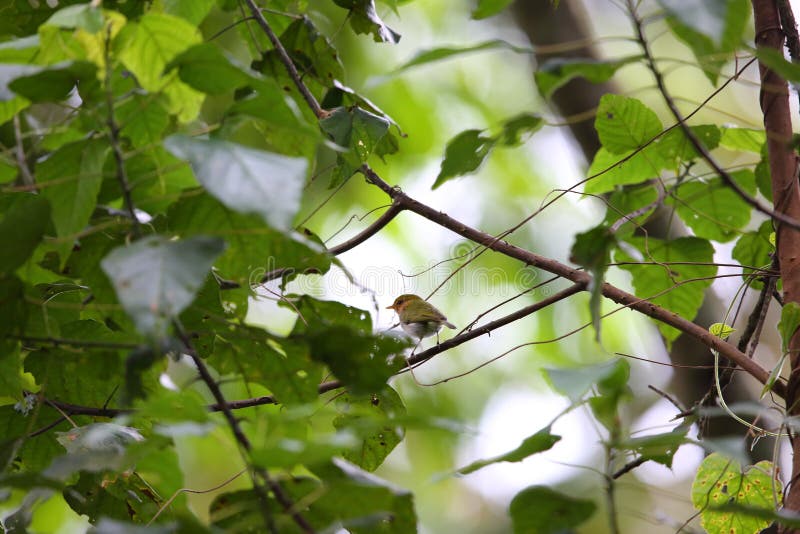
(786, 200)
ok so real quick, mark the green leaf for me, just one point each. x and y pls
(592, 250)
(373, 418)
(574, 383)
(84, 376)
(713, 30)
(70, 179)
(245, 179)
(612, 389)
(25, 219)
(775, 60)
(283, 366)
(659, 448)
(517, 129)
(22, 50)
(721, 330)
(311, 51)
(625, 123)
(253, 248)
(627, 201)
(787, 326)
(541, 441)
(84, 16)
(158, 178)
(609, 170)
(205, 67)
(544, 511)
(147, 46)
(753, 250)
(192, 10)
(143, 119)
(364, 19)
(463, 155)
(446, 52)
(556, 72)
(370, 359)
(675, 276)
(45, 84)
(489, 8)
(155, 278)
(342, 496)
(747, 139)
(712, 209)
(355, 129)
(721, 482)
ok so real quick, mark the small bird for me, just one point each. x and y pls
(418, 318)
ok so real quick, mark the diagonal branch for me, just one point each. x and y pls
(577, 276)
(287, 61)
(113, 135)
(280, 495)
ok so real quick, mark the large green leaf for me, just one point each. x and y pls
(556, 72)
(282, 366)
(155, 278)
(342, 496)
(328, 326)
(53, 83)
(70, 179)
(721, 481)
(634, 166)
(245, 179)
(625, 123)
(544, 511)
(253, 247)
(147, 46)
(372, 417)
(674, 275)
(143, 118)
(26, 218)
(712, 209)
(192, 10)
(712, 29)
(574, 383)
(206, 68)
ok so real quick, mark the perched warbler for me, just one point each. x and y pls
(418, 318)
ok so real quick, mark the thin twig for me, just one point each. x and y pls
(366, 233)
(19, 152)
(287, 61)
(280, 495)
(113, 135)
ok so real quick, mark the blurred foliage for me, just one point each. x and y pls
(162, 186)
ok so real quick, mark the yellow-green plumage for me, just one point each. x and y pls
(418, 318)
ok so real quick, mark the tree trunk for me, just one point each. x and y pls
(786, 199)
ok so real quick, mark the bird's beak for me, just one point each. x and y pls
(390, 307)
